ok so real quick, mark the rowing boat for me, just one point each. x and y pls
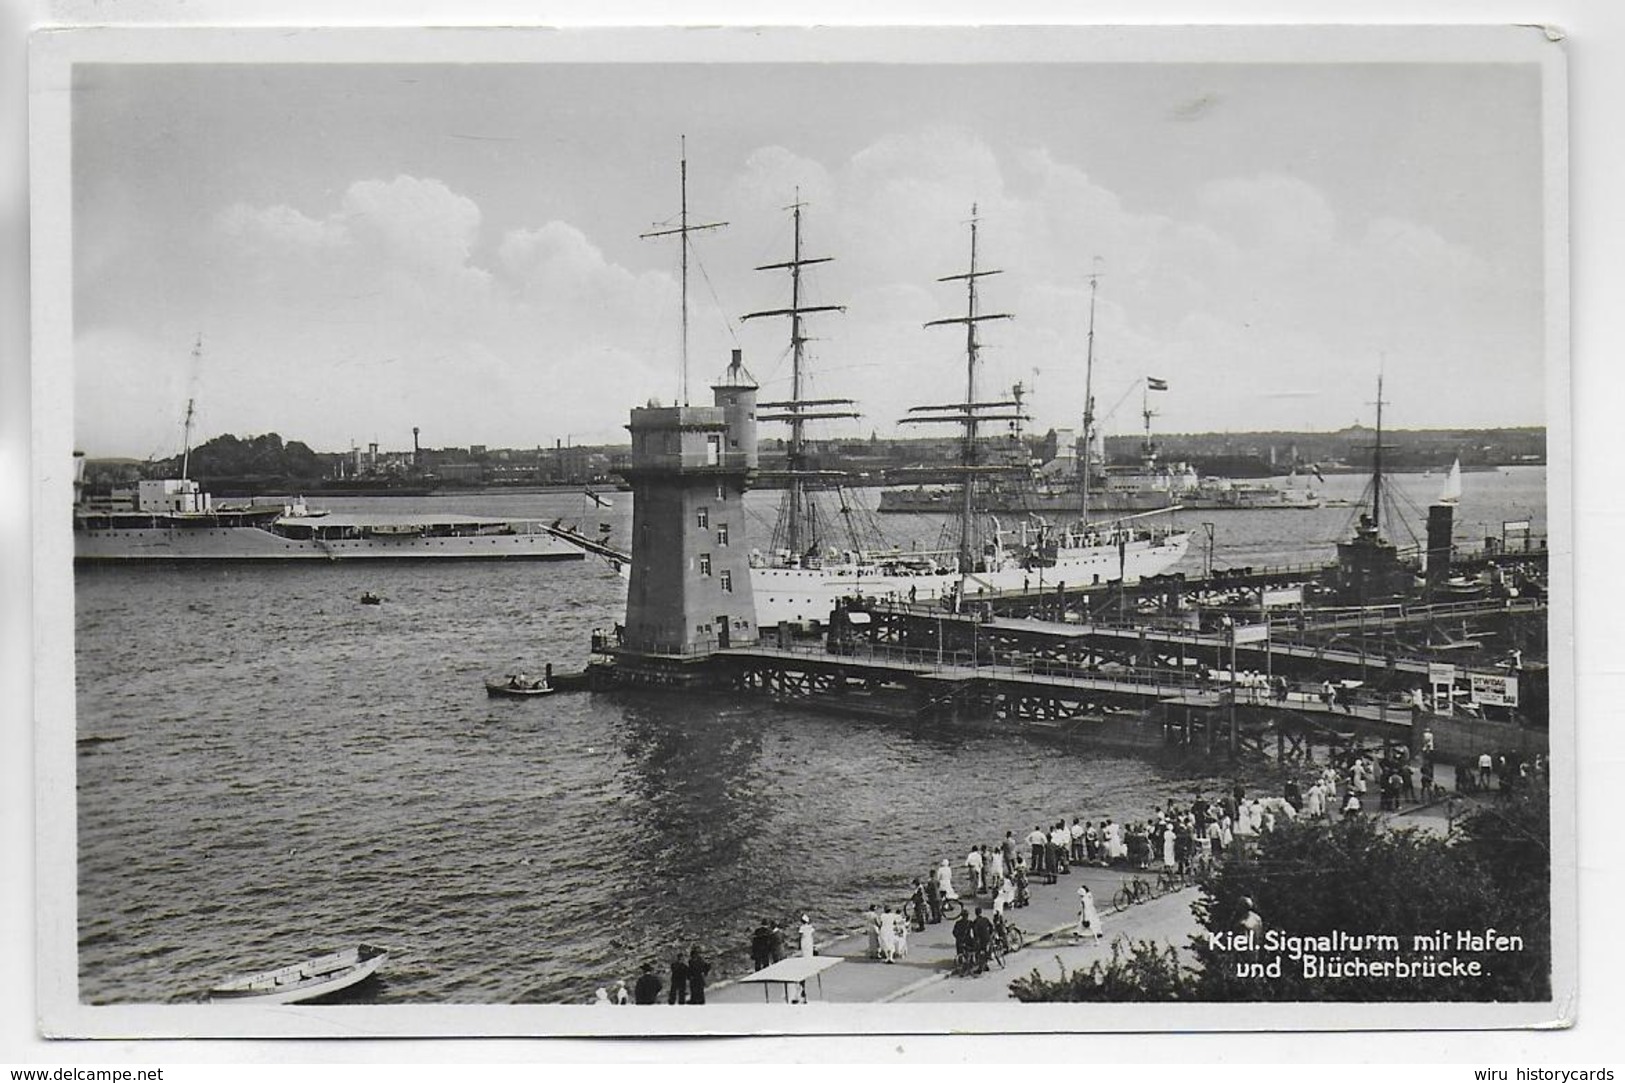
(518, 686)
(304, 981)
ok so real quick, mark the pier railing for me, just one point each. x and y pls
(1212, 687)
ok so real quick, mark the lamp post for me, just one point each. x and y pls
(1230, 630)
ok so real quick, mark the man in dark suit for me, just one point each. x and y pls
(761, 946)
(647, 989)
(982, 938)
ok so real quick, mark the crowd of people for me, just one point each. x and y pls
(1179, 836)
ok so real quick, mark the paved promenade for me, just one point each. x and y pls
(1049, 923)
(925, 973)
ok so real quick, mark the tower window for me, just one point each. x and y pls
(702, 518)
(722, 533)
(727, 581)
(722, 491)
(705, 563)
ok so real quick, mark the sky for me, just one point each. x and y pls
(368, 248)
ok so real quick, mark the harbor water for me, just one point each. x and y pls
(268, 769)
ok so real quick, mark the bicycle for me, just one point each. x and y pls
(968, 964)
(1134, 890)
(951, 909)
(1170, 880)
(1008, 936)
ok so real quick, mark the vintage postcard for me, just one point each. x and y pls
(770, 531)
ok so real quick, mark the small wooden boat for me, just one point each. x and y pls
(518, 685)
(369, 598)
(304, 981)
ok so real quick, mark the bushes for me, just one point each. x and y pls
(1356, 878)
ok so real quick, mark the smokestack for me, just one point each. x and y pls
(1441, 518)
(417, 453)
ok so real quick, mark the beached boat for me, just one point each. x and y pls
(303, 981)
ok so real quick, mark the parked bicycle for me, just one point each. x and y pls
(1134, 890)
(1169, 880)
(951, 909)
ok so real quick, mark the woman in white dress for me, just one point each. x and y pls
(888, 935)
(945, 880)
(995, 870)
(901, 929)
(1005, 896)
(871, 925)
(1115, 850)
(1088, 916)
(1169, 856)
(807, 937)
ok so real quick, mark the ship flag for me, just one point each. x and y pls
(1154, 384)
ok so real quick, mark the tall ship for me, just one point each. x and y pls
(802, 573)
(175, 519)
(1152, 484)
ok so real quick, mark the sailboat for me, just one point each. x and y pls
(1451, 493)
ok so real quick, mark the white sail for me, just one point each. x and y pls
(1452, 485)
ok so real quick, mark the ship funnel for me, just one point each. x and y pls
(1441, 520)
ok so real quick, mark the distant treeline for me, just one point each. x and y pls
(256, 456)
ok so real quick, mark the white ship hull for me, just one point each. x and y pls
(250, 543)
(809, 594)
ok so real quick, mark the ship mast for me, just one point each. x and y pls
(798, 523)
(186, 437)
(1088, 398)
(681, 232)
(1376, 465)
(970, 413)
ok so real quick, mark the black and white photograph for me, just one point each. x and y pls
(772, 531)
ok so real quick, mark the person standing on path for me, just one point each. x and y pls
(993, 869)
(964, 939)
(698, 967)
(1039, 842)
(933, 898)
(775, 943)
(1004, 896)
(945, 880)
(806, 930)
(887, 927)
(1008, 848)
(1088, 916)
(973, 870)
(761, 946)
(678, 993)
(647, 988)
(871, 925)
(982, 937)
(1060, 846)
(918, 904)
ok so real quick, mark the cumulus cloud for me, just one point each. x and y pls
(280, 226)
(408, 306)
(419, 220)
